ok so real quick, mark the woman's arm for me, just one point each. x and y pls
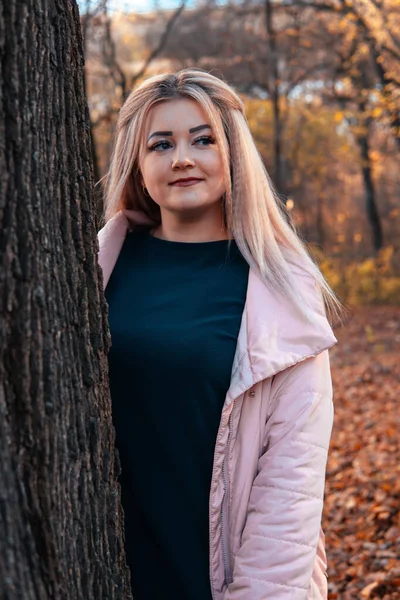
(280, 537)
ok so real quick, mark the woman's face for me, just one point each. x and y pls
(179, 146)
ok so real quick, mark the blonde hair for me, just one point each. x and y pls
(253, 214)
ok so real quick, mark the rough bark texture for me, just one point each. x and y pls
(60, 514)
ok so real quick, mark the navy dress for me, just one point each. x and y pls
(175, 310)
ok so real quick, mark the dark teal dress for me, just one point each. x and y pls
(175, 310)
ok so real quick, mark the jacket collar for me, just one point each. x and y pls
(273, 335)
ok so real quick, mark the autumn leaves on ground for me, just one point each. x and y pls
(362, 500)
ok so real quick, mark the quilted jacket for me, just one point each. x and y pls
(268, 478)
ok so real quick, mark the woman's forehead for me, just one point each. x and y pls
(175, 115)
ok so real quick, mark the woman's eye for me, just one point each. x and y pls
(205, 141)
(161, 146)
(165, 144)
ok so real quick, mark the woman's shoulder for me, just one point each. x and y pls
(305, 281)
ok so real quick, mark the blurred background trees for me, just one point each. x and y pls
(321, 83)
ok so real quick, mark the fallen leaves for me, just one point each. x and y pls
(362, 499)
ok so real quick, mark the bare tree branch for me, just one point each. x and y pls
(163, 40)
(305, 75)
(111, 57)
(112, 62)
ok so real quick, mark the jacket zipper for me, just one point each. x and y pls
(224, 509)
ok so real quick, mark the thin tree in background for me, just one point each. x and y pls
(273, 89)
(60, 518)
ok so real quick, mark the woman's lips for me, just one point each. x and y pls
(187, 183)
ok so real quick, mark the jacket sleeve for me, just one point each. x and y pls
(279, 542)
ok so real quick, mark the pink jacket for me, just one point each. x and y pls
(268, 478)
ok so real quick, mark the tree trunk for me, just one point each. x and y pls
(273, 89)
(320, 220)
(60, 513)
(369, 191)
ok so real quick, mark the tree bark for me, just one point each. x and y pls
(61, 527)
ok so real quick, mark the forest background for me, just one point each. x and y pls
(321, 85)
(320, 80)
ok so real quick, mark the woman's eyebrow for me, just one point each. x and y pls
(169, 133)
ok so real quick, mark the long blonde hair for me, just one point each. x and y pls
(253, 214)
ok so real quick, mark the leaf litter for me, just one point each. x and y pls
(361, 516)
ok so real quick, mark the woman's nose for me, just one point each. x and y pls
(182, 158)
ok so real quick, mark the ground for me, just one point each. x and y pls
(362, 498)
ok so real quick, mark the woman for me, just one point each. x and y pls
(219, 368)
